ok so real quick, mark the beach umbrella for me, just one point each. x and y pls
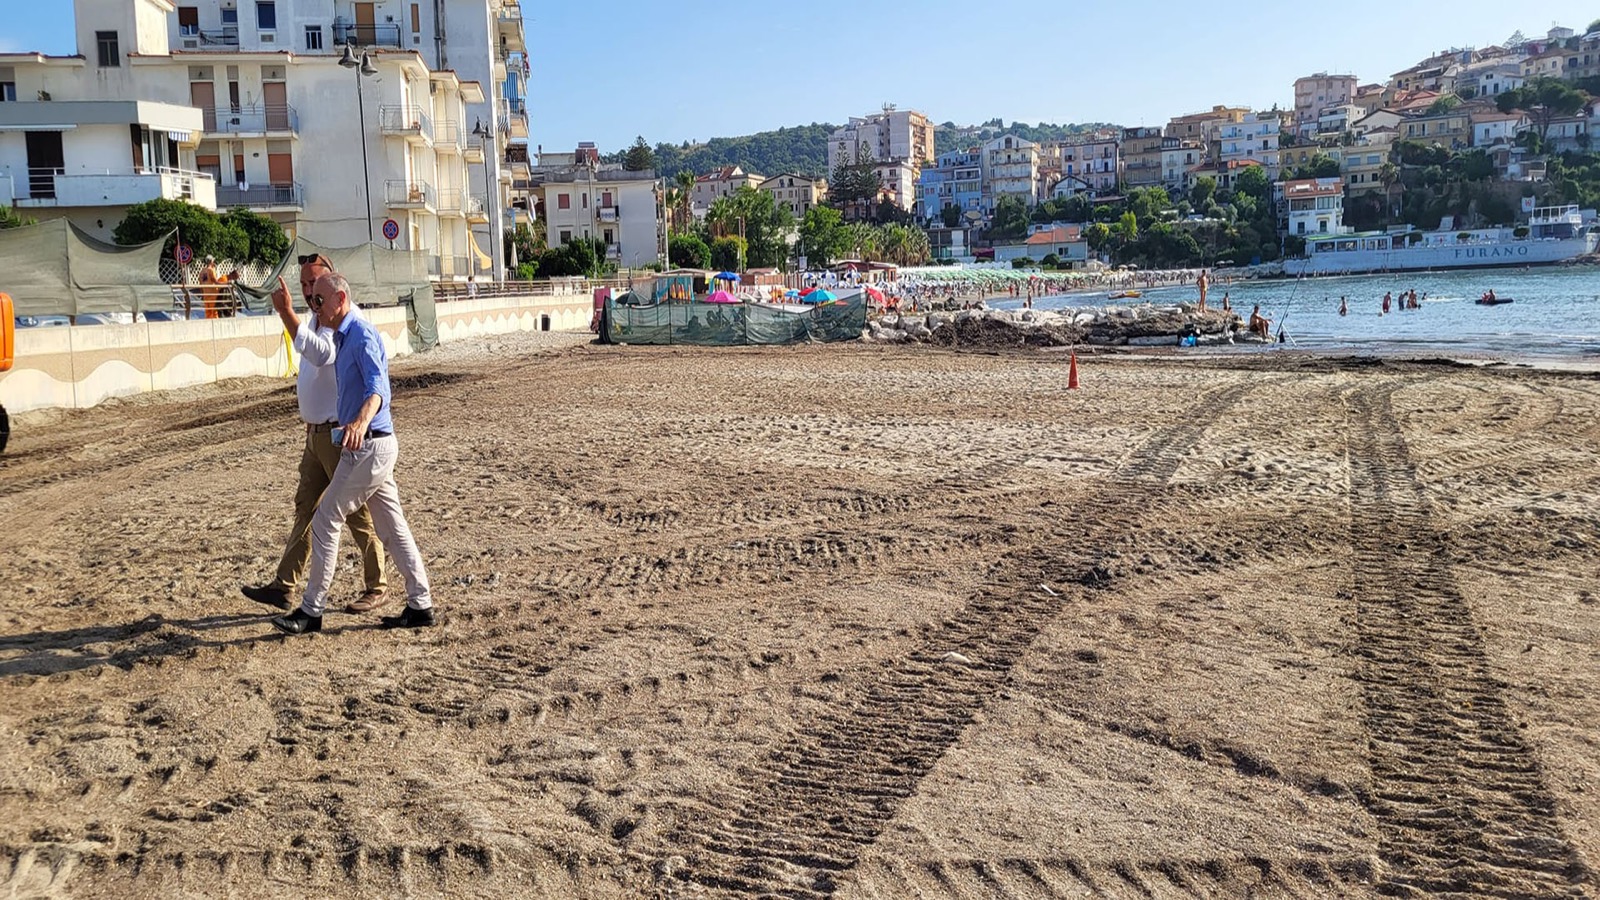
(791, 293)
(819, 296)
(727, 276)
(721, 297)
(875, 294)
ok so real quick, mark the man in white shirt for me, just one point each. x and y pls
(318, 394)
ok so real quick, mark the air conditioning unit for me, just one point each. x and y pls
(268, 37)
(190, 44)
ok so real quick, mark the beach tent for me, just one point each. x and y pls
(721, 296)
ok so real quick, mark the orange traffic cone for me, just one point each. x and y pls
(1072, 373)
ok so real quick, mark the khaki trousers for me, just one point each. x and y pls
(364, 477)
(317, 465)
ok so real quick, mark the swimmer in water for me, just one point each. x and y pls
(1344, 307)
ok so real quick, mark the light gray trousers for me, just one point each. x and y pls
(364, 477)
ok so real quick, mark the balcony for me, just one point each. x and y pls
(368, 35)
(401, 194)
(259, 121)
(271, 197)
(452, 203)
(512, 116)
(409, 122)
(227, 36)
(52, 187)
(473, 151)
(477, 209)
(608, 213)
(509, 21)
(454, 266)
(447, 136)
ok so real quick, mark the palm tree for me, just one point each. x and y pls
(1389, 176)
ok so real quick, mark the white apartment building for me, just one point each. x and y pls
(719, 183)
(1092, 163)
(1315, 93)
(1010, 169)
(896, 139)
(604, 201)
(1316, 206)
(330, 151)
(1177, 158)
(1255, 138)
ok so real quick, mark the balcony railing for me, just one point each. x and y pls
(477, 208)
(368, 35)
(405, 120)
(256, 120)
(398, 192)
(257, 195)
(447, 135)
(227, 36)
(51, 186)
(455, 265)
(452, 202)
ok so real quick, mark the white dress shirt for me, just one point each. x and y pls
(317, 388)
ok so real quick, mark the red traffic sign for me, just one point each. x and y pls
(184, 253)
(391, 229)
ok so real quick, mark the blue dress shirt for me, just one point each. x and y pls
(362, 369)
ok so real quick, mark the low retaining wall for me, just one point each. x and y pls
(80, 366)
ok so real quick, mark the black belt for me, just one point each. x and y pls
(324, 426)
(377, 434)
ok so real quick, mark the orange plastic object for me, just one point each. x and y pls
(8, 331)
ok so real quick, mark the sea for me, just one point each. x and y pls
(1555, 312)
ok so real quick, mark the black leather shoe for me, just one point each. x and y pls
(297, 622)
(267, 594)
(411, 618)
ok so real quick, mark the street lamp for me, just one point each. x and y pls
(364, 67)
(485, 136)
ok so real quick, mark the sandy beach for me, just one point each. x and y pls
(841, 621)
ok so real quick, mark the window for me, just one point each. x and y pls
(608, 236)
(230, 18)
(8, 91)
(585, 198)
(416, 18)
(566, 236)
(563, 201)
(313, 37)
(188, 20)
(107, 43)
(266, 15)
(605, 199)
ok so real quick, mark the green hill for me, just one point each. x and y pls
(803, 149)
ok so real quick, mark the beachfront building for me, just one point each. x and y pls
(956, 179)
(75, 156)
(1142, 156)
(1361, 165)
(718, 183)
(1010, 169)
(900, 141)
(279, 115)
(1253, 138)
(577, 196)
(796, 193)
(1316, 206)
(1315, 93)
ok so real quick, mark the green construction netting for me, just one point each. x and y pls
(732, 324)
(56, 269)
(377, 276)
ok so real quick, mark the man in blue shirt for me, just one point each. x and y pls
(366, 468)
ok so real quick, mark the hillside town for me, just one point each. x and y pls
(228, 105)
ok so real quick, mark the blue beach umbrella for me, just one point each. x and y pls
(727, 276)
(819, 296)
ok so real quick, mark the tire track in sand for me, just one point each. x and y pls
(806, 812)
(1460, 798)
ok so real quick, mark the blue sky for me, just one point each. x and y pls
(695, 69)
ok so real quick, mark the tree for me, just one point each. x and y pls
(1444, 104)
(950, 215)
(687, 251)
(1204, 189)
(1544, 99)
(1010, 221)
(727, 253)
(268, 243)
(579, 256)
(1321, 165)
(639, 157)
(822, 237)
(520, 244)
(765, 225)
(200, 228)
(1098, 235)
(1148, 203)
(855, 186)
(1253, 182)
(1050, 261)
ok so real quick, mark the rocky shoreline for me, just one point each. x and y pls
(1145, 325)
